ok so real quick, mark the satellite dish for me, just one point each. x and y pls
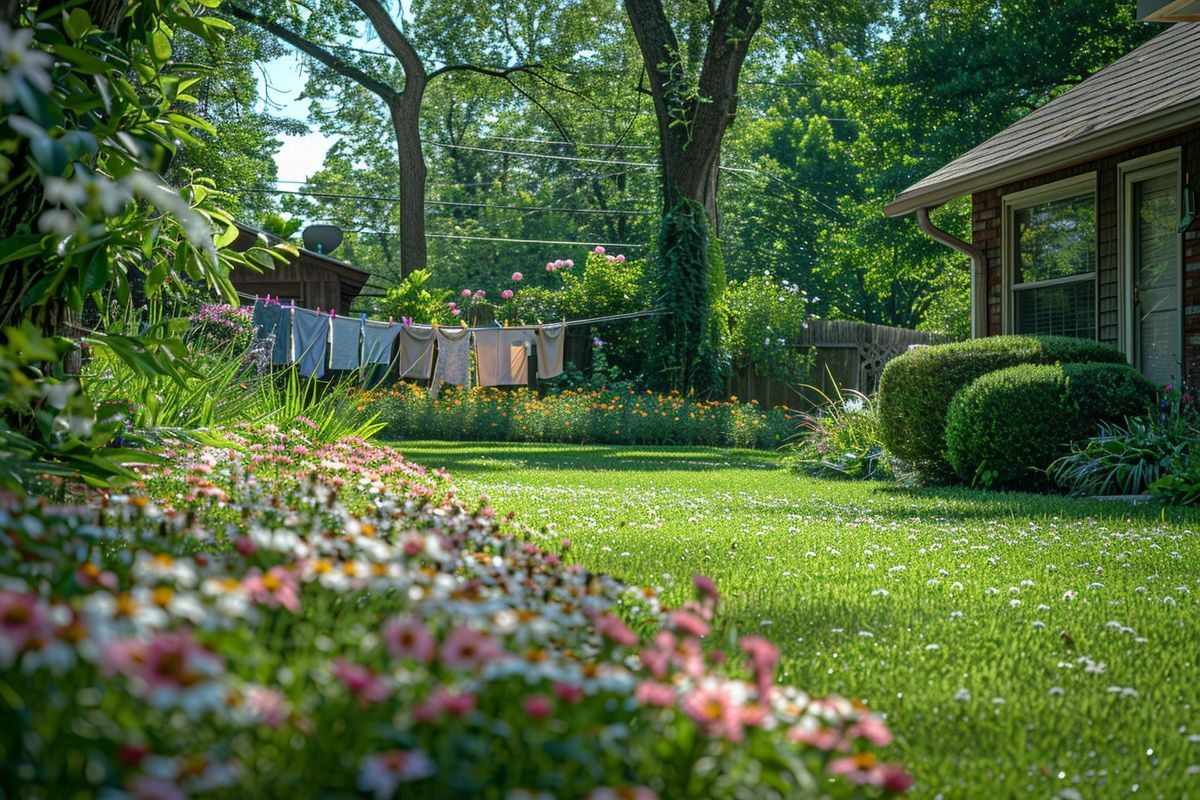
(322, 239)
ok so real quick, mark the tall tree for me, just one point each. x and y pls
(693, 108)
(403, 99)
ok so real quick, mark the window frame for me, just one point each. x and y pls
(1016, 201)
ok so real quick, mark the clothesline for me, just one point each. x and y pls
(569, 322)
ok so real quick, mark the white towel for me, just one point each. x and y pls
(343, 343)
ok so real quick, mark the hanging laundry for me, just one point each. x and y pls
(416, 351)
(502, 356)
(551, 341)
(282, 352)
(453, 358)
(344, 343)
(271, 326)
(310, 335)
(378, 338)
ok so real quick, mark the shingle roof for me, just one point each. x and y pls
(1152, 91)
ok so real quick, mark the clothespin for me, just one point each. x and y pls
(390, 320)
(256, 298)
(332, 313)
(318, 309)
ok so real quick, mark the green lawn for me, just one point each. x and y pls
(1018, 645)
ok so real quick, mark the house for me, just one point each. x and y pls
(314, 280)
(1084, 211)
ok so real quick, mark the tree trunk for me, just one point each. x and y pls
(692, 119)
(405, 109)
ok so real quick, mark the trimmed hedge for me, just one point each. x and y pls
(916, 388)
(1007, 427)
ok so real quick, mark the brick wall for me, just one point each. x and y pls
(987, 219)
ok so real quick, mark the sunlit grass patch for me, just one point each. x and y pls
(1020, 645)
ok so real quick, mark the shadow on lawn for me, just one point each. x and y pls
(468, 459)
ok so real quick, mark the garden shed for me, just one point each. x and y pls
(1084, 211)
(314, 280)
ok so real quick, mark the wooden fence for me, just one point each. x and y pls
(848, 355)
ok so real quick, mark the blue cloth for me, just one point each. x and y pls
(378, 339)
(310, 332)
(271, 323)
(343, 343)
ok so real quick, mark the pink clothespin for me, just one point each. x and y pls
(332, 313)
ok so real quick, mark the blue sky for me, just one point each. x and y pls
(300, 156)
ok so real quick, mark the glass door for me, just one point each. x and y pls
(1153, 260)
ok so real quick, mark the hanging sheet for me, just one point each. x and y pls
(416, 352)
(551, 342)
(378, 338)
(344, 343)
(502, 356)
(310, 336)
(453, 358)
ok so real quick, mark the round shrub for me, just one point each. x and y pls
(1006, 427)
(916, 388)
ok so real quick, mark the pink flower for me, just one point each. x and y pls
(408, 638)
(616, 630)
(688, 623)
(456, 704)
(558, 262)
(550, 267)
(146, 787)
(652, 693)
(279, 587)
(764, 658)
(456, 311)
(507, 294)
(24, 623)
(516, 276)
(569, 693)
(480, 294)
(568, 263)
(713, 710)
(451, 305)
(466, 292)
(865, 770)
(621, 793)
(268, 706)
(538, 706)
(705, 586)
(468, 649)
(620, 258)
(820, 738)
(383, 773)
(167, 663)
(367, 687)
(599, 249)
(872, 729)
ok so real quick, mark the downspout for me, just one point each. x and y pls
(978, 270)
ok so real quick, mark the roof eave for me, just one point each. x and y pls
(1066, 155)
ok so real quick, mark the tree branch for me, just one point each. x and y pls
(348, 70)
(495, 72)
(393, 38)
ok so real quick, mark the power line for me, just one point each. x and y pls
(597, 145)
(456, 204)
(546, 156)
(509, 241)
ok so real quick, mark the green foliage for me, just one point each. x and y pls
(767, 317)
(229, 389)
(415, 300)
(840, 439)
(1008, 426)
(278, 225)
(916, 389)
(587, 415)
(48, 427)
(1157, 451)
(690, 348)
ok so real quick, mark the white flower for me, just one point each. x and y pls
(962, 696)
(21, 62)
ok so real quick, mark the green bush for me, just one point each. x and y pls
(1008, 426)
(916, 389)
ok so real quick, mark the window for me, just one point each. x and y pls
(1051, 259)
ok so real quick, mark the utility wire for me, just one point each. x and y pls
(546, 156)
(597, 145)
(454, 203)
(507, 241)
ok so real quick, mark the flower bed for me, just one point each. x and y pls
(279, 617)
(592, 416)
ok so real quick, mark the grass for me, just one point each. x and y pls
(1018, 645)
